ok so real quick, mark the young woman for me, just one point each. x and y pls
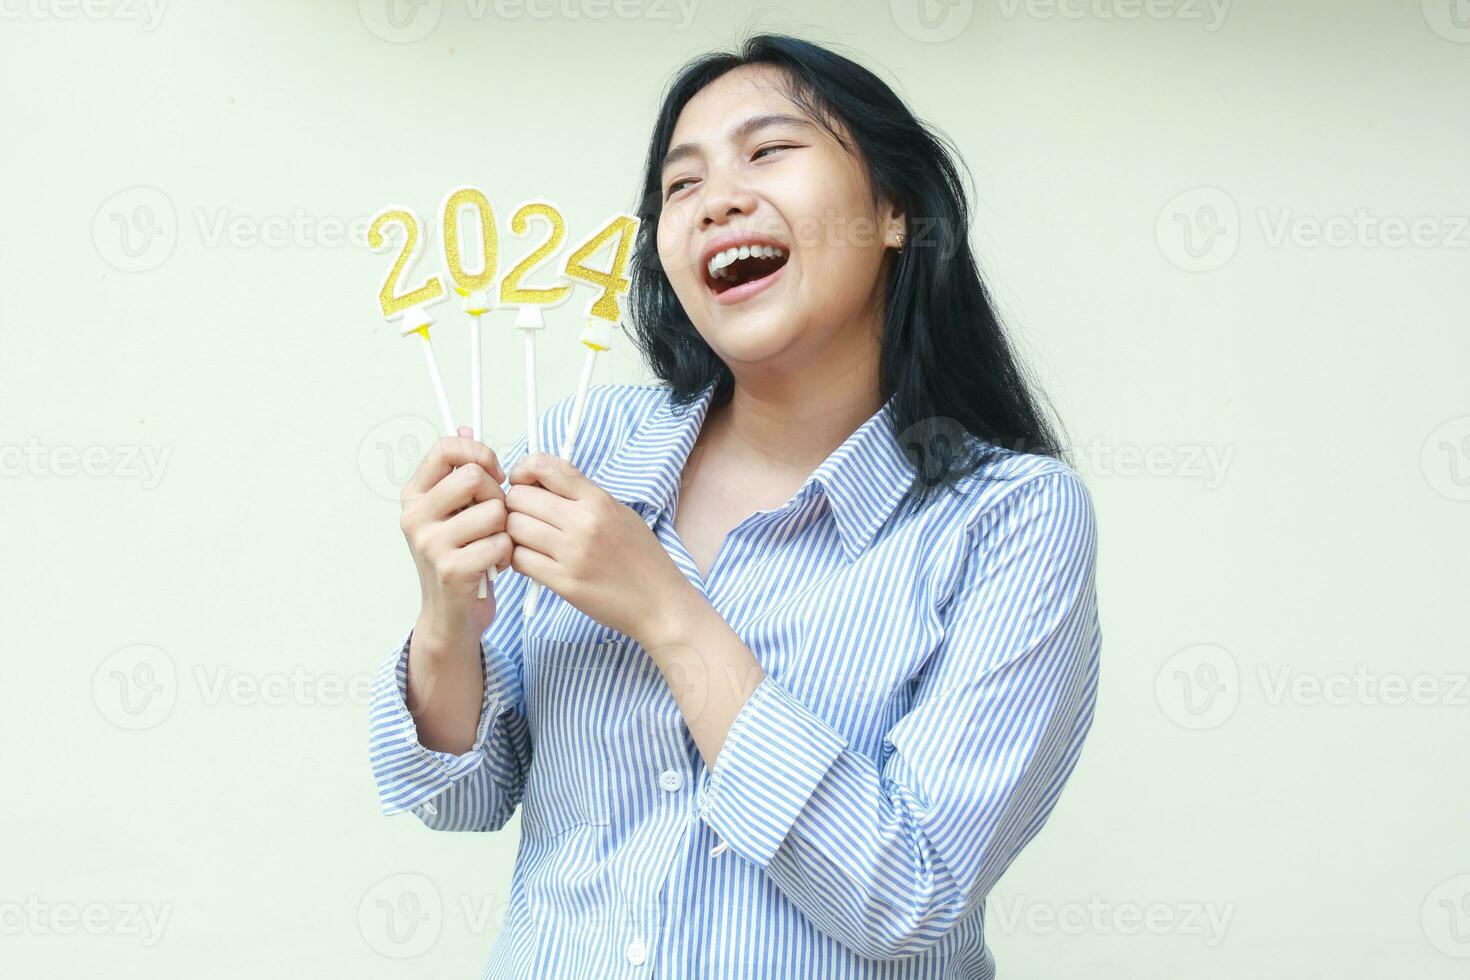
(820, 644)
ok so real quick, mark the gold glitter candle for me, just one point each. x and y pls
(487, 252)
(614, 282)
(394, 303)
(511, 290)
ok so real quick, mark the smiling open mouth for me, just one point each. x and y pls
(741, 266)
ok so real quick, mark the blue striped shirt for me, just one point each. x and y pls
(930, 679)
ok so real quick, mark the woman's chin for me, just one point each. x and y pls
(754, 338)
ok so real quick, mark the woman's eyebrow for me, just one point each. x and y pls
(737, 133)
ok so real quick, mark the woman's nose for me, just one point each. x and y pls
(724, 196)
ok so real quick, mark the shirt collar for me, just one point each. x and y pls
(862, 480)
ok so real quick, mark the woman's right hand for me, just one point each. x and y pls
(453, 517)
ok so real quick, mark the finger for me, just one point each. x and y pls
(487, 552)
(466, 486)
(535, 565)
(555, 474)
(446, 454)
(477, 521)
(540, 503)
(528, 531)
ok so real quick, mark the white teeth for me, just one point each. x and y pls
(720, 260)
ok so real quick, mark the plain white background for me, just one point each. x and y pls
(1231, 241)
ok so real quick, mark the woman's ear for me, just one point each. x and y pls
(895, 226)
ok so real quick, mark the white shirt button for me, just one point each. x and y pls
(637, 952)
(671, 779)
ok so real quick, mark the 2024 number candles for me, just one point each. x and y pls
(473, 281)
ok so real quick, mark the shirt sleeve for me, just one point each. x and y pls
(479, 789)
(476, 790)
(885, 857)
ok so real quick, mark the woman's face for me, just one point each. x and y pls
(746, 165)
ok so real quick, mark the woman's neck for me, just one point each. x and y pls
(792, 422)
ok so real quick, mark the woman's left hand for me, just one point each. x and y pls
(594, 551)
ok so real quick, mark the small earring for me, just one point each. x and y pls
(900, 241)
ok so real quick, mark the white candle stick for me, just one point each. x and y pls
(445, 414)
(596, 336)
(579, 404)
(477, 408)
(407, 304)
(603, 316)
(417, 321)
(530, 301)
(530, 322)
(476, 304)
(473, 286)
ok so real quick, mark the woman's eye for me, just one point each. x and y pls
(678, 184)
(778, 147)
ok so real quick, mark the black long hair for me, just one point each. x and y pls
(960, 398)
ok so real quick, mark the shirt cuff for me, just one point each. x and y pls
(408, 772)
(775, 753)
